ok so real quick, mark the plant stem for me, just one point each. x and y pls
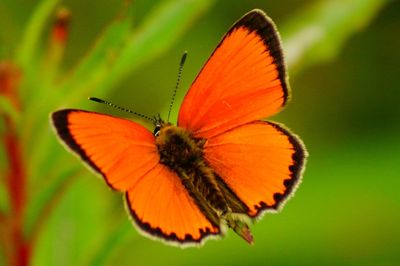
(15, 176)
(16, 180)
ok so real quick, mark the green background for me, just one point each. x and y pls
(344, 67)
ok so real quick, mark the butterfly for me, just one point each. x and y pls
(221, 166)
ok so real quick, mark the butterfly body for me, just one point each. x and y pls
(183, 154)
(221, 166)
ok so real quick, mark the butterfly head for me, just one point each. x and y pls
(159, 124)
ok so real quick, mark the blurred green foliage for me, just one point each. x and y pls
(344, 59)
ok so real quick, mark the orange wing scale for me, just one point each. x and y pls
(161, 206)
(120, 150)
(261, 162)
(244, 80)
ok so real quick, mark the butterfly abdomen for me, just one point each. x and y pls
(183, 154)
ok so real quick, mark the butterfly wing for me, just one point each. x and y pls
(243, 80)
(125, 154)
(120, 150)
(261, 162)
(162, 207)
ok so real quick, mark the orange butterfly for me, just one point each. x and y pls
(221, 166)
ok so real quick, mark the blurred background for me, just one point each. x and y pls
(344, 65)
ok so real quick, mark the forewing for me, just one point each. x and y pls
(244, 80)
(161, 207)
(261, 162)
(120, 150)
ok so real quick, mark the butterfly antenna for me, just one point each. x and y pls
(121, 108)
(183, 59)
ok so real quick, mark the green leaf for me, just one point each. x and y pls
(113, 240)
(96, 63)
(157, 33)
(318, 33)
(41, 205)
(33, 31)
(7, 108)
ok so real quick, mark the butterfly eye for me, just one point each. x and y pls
(156, 131)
